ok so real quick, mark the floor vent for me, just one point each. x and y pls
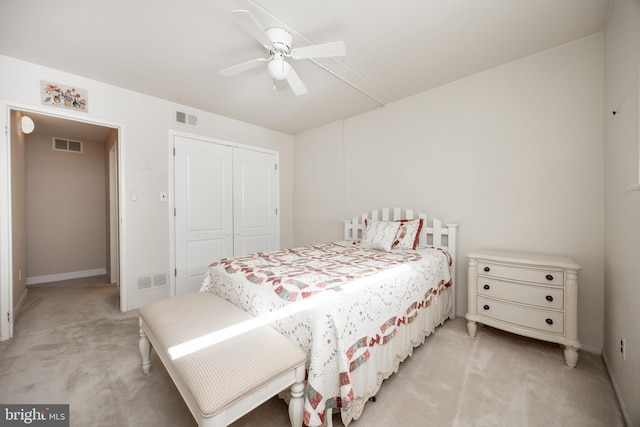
(61, 144)
(186, 119)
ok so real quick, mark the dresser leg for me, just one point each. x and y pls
(571, 356)
(471, 328)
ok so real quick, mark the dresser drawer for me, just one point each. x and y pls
(547, 321)
(534, 275)
(540, 296)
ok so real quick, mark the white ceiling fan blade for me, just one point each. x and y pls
(296, 84)
(251, 24)
(319, 50)
(239, 68)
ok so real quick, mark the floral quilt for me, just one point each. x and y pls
(336, 300)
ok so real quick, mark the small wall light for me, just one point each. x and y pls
(27, 125)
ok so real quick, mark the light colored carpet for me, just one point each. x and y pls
(72, 345)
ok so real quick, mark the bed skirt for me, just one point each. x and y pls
(385, 359)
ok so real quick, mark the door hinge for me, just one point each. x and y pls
(175, 272)
(276, 211)
(8, 316)
(174, 211)
(174, 151)
(6, 131)
(276, 166)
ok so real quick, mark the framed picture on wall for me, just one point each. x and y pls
(63, 96)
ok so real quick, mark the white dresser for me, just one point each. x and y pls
(533, 295)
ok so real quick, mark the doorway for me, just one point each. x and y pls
(59, 138)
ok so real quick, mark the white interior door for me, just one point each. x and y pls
(255, 202)
(203, 214)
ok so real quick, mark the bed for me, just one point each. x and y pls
(358, 307)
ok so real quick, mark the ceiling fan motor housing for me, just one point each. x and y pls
(281, 38)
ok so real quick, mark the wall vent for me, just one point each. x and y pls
(144, 282)
(181, 117)
(186, 119)
(159, 279)
(61, 144)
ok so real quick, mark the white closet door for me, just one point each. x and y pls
(203, 201)
(255, 202)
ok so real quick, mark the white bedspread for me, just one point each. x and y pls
(336, 300)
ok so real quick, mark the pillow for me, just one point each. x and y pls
(380, 234)
(408, 234)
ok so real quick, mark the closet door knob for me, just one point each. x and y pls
(486, 307)
(487, 269)
(549, 298)
(549, 321)
(549, 277)
(487, 287)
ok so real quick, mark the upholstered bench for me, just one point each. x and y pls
(220, 379)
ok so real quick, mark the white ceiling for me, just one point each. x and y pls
(173, 49)
(67, 128)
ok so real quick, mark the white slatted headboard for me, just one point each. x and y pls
(432, 234)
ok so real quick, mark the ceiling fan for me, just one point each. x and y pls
(279, 44)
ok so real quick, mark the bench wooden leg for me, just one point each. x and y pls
(296, 404)
(328, 416)
(145, 350)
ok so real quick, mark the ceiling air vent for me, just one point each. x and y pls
(186, 119)
(61, 144)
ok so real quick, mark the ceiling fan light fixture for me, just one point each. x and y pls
(279, 68)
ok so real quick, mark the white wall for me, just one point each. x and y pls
(319, 185)
(145, 123)
(622, 207)
(513, 155)
(18, 211)
(66, 212)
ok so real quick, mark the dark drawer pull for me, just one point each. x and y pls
(549, 321)
(487, 287)
(549, 298)
(487, 269)
(549, 277)
(486, 307)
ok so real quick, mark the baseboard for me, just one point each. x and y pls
(616, 388)
(65, 276)
(590, 349)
